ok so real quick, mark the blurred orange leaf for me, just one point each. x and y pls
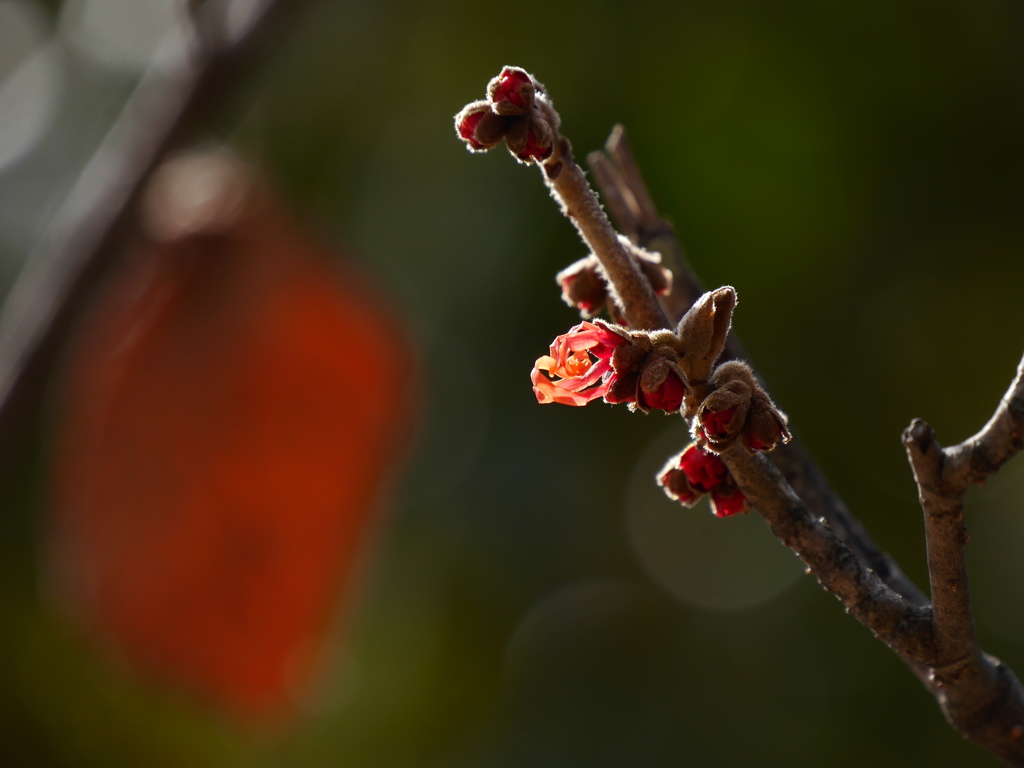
(231, 407)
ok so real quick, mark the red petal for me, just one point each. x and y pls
(704, 470)
(727, 505)
(669, 396)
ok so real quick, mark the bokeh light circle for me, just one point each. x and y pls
(30, 80)
(728, 564)
(127, 35)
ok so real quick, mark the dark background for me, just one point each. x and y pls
(856, 171)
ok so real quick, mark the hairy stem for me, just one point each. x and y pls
(579, 203)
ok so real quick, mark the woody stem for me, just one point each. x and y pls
(630, 288)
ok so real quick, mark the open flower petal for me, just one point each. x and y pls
(578, 368)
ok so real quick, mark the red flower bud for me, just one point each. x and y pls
(696, 472)
(512, 92)
(717, 422)
(727, 500)
(479, 127)
(583, 286)
(467, 129)
(669, 396)
(538, 146)
(739, 406)
(588, 303)
(704, 470)
(766, 425)
(723, 413)
(757, 445)
(529, 138)
(675, 484)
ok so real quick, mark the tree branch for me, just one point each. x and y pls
(579, 203)
(979, 695)
(899, 623)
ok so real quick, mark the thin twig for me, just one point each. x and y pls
(945, 537)
(978, 694)
(579, 203)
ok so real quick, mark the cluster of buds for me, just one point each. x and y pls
(585, 287)
(647, 369)
(601, 360)
(689, 476)
(668, 370)
(516, 110)
(739, 407)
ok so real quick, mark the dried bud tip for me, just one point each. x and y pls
(703, 331)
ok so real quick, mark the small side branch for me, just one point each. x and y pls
(978, 694)
(945, 537)
(981, 456)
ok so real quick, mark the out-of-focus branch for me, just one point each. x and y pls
(980, 696)
(625, 192)
(162, 114)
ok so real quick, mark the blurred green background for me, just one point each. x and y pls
(856, 171)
